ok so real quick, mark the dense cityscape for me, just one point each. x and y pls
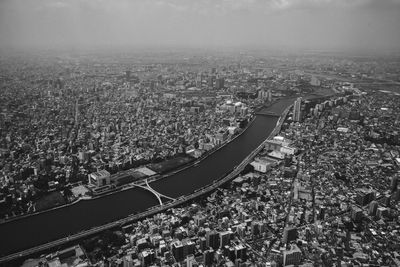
(198, 133)
(322, 191)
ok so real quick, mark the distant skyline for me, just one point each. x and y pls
(277, 24)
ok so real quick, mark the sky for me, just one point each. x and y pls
(302, 24)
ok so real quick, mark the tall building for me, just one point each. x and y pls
(128, 74)
(76, 111)
(265, 95)
(219, 83)
(212, 239)
(224, 237)
(240, 251)
(356, 214)
(394, 183)
(208, 257)
(198, 83)
(262, 94)
(347, 240)
(297, 109)
(147, 257)
(83, 156)
(292, 256)
(364, 196)
(269, 95)
(289, 234)
(191, 261)
(177, 251)
(396, 195)
(188, 247)
(211, 81)
(373, 207)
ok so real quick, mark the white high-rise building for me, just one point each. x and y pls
(297, 109)
(269, 95)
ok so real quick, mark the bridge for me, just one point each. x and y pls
(147, 187)
(268, 113)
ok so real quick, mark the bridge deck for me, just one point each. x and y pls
(267, 113)
(158, 195)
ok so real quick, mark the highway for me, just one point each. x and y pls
(155, 209)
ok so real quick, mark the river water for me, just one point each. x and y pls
(38, 229)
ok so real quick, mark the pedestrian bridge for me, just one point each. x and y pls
(158, 195)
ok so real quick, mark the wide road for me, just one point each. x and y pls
(42, 228)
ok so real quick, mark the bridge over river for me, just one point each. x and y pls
(268, 113)
(145, 185)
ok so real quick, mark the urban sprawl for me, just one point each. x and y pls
(324, 191)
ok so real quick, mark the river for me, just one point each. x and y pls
(41, 228)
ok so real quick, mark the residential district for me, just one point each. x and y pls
(64, 118)
(324, 192)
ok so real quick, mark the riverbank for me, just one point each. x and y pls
(157, 177)
(132, 185)
(51, 228)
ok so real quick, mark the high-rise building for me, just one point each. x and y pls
(211, 81)
(208, 257)
(364, 196)
(219, 83)
(382, 212)
(224, 237)
(83, 156)
(191, 261)
(188, 247)
(128, 74)
(321, 214)
(347, 240)
(147, 257)
(240, 251)
(297, 109)
(394, 183)
(265, 95)
(269, 95)
(261, 94)
(212, 239)
(356, 214)
(76, 112)
(199, 80)
(396, 194)
(373, 207)
(289, 234)
(292, 256)
(202, 242)
(177, 251)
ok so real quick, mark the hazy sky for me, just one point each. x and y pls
(313, 24)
